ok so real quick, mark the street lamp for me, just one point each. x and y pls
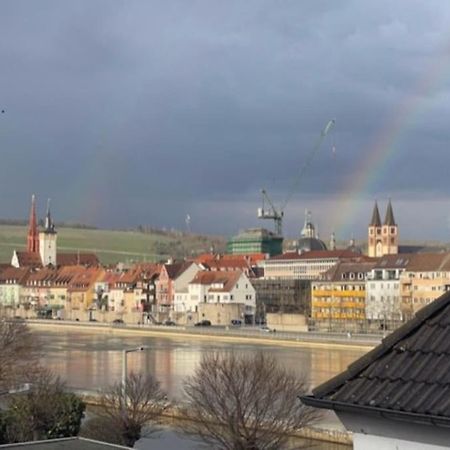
(124, 366)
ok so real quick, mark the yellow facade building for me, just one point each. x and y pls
(338, 299)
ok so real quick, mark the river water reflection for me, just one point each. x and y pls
(90, 360)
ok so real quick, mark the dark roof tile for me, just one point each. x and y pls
(408, 372)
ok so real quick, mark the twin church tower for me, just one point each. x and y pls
(383, 238)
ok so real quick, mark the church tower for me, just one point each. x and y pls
(33, 235)
(390, 232)
(374, 243)
(47, 240)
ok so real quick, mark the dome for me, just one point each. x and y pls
(309, 239)
(353, 247)
(307, 244)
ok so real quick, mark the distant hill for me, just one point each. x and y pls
(112, 245)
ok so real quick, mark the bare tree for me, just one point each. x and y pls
(19, 352)
(122, 419)
(237, 402)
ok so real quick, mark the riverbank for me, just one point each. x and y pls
(173, 416)
(253, 336)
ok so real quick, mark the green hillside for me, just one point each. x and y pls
(113, 246)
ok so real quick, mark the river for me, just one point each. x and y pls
(91, 361)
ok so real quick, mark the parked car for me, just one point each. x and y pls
(203, 323)
(236, 322)
(118, 321)
(169, 323)
(266, 329)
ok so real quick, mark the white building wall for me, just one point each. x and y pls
(383, 296)
(371, 442)
(47, 248)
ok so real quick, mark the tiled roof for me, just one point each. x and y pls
(343, 269)
(393, 262)
(408, 373)
(176, 269)
(83, 259)
(316, 254)
(424, 262)
(83, 280)
(28, 259)
(14, 275)
(227, 279)
(250, 258)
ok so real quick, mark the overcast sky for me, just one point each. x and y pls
(140, 112)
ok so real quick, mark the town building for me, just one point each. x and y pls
(304, 266)
(11, 281)
(396, 397)
(165, 285)
(281, 296)
(255, 240)
(222, 291)
(338, 298)
(382, 238)
(425, 278)
(383, 300)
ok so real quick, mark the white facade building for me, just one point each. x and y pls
(217, 287)
(383, 289)
(304, 266)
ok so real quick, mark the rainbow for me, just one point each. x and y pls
(386, 147)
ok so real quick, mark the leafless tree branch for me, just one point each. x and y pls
(238, 402)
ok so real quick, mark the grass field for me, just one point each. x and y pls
(113, 246)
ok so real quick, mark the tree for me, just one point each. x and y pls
(121, 418)
(237, 402)
(46, 411)
(19, 353)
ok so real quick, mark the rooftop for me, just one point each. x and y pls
(407, 376)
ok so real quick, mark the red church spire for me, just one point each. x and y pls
(33, 234)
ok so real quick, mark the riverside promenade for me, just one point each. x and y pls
(243, 334)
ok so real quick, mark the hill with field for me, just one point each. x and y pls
(112, 246)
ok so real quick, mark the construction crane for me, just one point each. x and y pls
(271, 212)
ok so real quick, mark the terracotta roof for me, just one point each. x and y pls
(14, 274)
(407, 375)
(71, 259)
(227, 279)
(84, 279)
(45, 275)
(429, 262)
(250, 258)
(28, 259)
(316, 254)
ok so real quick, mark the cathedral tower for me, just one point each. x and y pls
(383, 238)
(390, 232)
(374, 242)
(47, 240)
(33, 235)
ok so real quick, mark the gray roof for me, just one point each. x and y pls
(307, 244)
(407, 375)
(389, 220)
(376, 220)
(73, 443)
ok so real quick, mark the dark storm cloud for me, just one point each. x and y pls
(141, 112)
